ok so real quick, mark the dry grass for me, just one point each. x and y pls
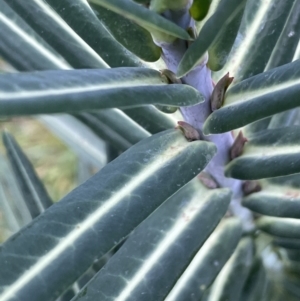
(54, 162)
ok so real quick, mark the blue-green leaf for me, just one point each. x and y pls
(47, 92)
(97, 215)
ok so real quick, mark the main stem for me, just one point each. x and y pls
(200, 79)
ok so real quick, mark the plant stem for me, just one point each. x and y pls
(200, 79)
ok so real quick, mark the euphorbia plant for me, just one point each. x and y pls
(168, 218)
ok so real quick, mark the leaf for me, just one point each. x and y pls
(208, 262)
(129, 34)
(221, 47)
(275, 201)
(104, 131)
(160, 6)
(283, 227)
(151, 119)
(97, 215)
(143, 17)
(256, 283)
(12, 205)
(283, 119)
(32, 189)
(255, 98)
(55, 31)
(267, 154)
(287, 43)
(210, 32)
(199, 9)
(15, 34)
(259, 32)
(229, 283)
(47, 92)
(157, 252)
(78, 137)
(287, 243)
(78, 12)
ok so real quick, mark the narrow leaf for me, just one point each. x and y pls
(86, 90)
(144, 17)
(78, 137)
(78, 12)
(258, 97)
(12, 204)
(256, 283)
(32, 189)
(208, 262)
(151, 119)
(135, 38)
(275, 201)
(287, 43)
(15, 34)
(122, 124)
(221, 47)
(97, 215)
(55, 31)
(287, 243)
(210, 32)
(104, 131)
(172, 238)
(283, 227)
(283, 119)
(267, 154)
(229, 283)
(260, 29)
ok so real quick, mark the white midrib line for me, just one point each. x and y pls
(58, 20)
(24, 36)
(191, 270)
(248, 95)
(75, 89)
(163, 246)
(85, 226)
(264, 152)
(239, 56)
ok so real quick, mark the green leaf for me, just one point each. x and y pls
(290, 180)
(255, 98)
(144, 17)
(78, 137)
(260, 30)
(160, 6)
(199, 9)
(47, 92)
(78, 12)
(256, 283)
(283, 119)
(283, 227)
(151, 119)
(286, 243)
(221, 47)
(210, 32)
(268, 154)
(208, 262)
(229, 283)
(129, 34)
(55, 31)
(287, 43)
(97, 215)
(12, 205)
(114, 127)
(275, 201)
(32, 189)
(172, 238)
(15, 34)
